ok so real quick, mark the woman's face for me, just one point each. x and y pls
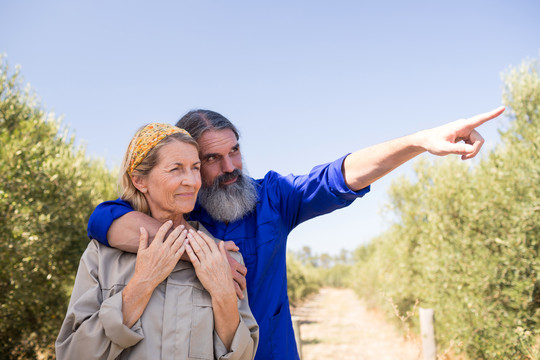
(172, 185)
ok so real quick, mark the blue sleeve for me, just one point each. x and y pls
(322, 191)
(103, 216)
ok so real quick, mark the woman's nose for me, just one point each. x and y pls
(190, 179)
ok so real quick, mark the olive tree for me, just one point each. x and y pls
(48, 188)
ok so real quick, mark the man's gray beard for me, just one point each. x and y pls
(230, 202)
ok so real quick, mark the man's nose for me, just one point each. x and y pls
(227, 165)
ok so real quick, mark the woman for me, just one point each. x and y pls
(151, 305)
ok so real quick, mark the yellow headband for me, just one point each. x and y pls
(146, 139)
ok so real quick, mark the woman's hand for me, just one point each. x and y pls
(156, 261)
(210, 263)
(213, 270)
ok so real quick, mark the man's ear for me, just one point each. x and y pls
(139, 183)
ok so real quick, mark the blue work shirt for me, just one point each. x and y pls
(283, 203)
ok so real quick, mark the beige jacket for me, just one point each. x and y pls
(177, 323)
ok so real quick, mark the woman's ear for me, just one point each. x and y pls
(139, 183)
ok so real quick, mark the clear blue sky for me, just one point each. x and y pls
(305, 81)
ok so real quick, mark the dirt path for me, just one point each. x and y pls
(335, 324)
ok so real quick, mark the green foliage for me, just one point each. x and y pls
(48, 189)
(468, 240)
(302, 279)
(308, 272)
(336, 276)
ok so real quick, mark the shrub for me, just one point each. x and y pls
(468, 239)
(302, 279)
(48, 189)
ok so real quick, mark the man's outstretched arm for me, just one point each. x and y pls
(460, 137)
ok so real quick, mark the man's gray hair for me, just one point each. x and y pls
(196, 122)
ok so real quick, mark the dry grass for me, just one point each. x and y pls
(335, 324)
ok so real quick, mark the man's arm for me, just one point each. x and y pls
(365, 166)
(124, 231)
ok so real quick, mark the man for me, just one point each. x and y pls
(257, 215)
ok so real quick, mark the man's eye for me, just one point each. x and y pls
(211, 158)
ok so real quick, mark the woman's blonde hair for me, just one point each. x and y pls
(126, 189)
